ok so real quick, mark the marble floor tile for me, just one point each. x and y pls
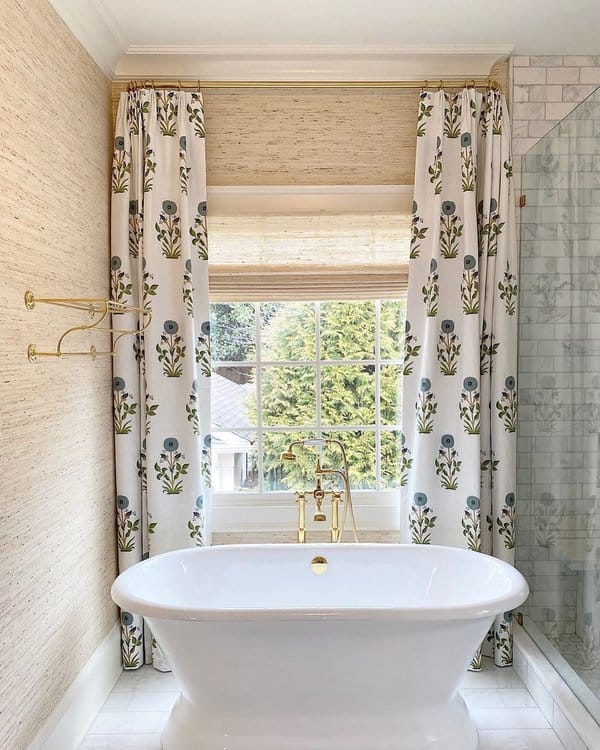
(505, 713)
(519, 739)
(121, 742)
(128, 722)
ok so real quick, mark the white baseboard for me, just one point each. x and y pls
(69, 721)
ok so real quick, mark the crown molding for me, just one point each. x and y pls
(292, 50)
(308, 62)
(96, 30)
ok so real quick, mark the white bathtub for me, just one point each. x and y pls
(368, 655)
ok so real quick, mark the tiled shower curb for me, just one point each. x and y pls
(571, 721)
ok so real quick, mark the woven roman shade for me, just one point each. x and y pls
(308, 256)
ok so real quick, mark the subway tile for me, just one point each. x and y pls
(520, 61)
(523, 145)
(590, 75)
(529, 111)
(537, 94)
(577, 92)
(558, 110)
(522, 94)
(525, 75)
(563, 75)
(546, 61)
(579, 61)
(520, 129)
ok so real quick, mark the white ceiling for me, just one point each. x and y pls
(115, 27)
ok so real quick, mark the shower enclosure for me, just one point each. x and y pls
(558, 536)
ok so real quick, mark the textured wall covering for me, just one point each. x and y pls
(57, 549)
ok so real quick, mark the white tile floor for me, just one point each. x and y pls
(505, 713)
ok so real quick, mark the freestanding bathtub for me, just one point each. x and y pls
(365, 651)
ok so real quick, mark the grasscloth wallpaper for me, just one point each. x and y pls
(57, 549)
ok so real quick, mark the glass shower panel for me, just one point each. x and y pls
(558, 536)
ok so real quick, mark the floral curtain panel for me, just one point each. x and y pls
(161, 383)
(460, 408)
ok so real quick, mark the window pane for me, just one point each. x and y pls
(287, 331)
(392, 317)
(288, 396)
(393, 466)
(391, 394)
(360, 450)
(234, 461)
(233, 332)
(348, 395)
(233, 397)
(348, 330)
(287, 475)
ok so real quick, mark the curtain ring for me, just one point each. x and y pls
(425, 86)
(441, 86)
(179, 82)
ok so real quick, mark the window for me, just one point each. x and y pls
(287, 371)
(287, 367)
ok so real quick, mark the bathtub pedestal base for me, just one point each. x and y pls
(431, 728)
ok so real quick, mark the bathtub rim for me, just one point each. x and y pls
(488, 608)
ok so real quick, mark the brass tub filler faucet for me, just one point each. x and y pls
(319, 495)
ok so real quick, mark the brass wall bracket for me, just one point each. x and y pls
(98, 310)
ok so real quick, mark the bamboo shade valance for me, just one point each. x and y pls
(309, 257)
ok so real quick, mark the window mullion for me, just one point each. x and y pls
(258, 378)
(317, 311)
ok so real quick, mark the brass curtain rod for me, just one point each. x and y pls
(454, 82)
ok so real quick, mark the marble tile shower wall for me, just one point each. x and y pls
(558, 538)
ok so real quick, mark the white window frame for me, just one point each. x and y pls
(376, 508)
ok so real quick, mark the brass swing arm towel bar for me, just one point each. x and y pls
(98, 309)
(451, 82)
